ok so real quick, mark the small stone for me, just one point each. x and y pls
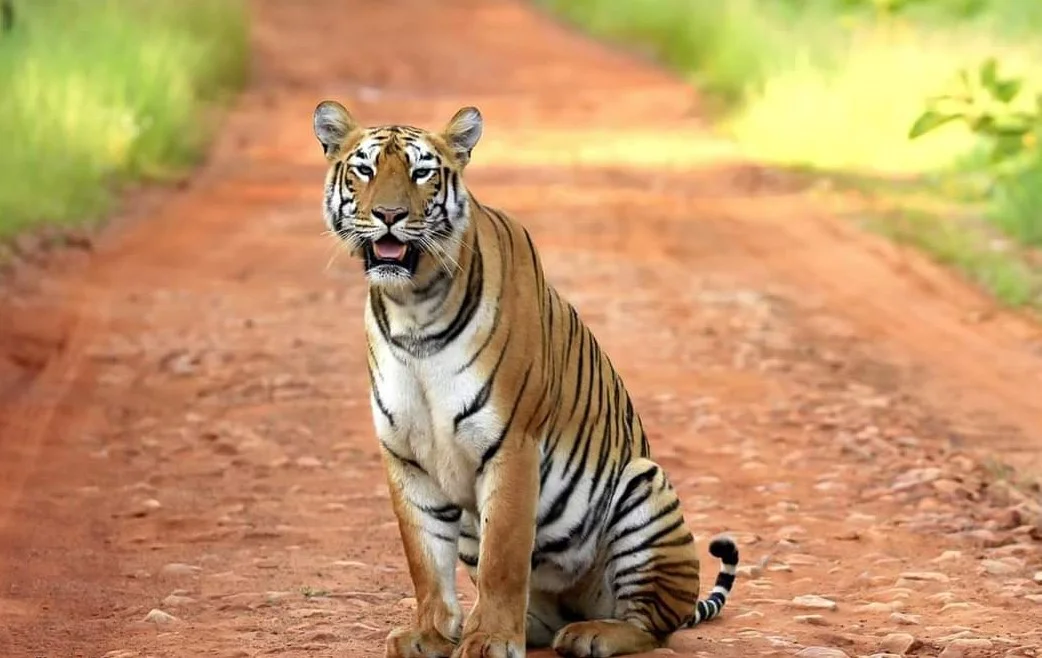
(308, 462)
(1034, 598)
(876, 606)
(957, 605)
(120, 653)
(813, 620)
(749, 571)
(157, 616)
(176, 601)
(930, 576)
(664, 651)
(904, 619)
(822, 652)
(814, 602)
(752, 614)
(998, 567)
(408, 603)
(948, 556)
(897, 643)
(966, 647)
(1037, 577)
(179, 569)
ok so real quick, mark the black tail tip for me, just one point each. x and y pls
(724, 549)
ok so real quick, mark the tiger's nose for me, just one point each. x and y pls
(390, 216)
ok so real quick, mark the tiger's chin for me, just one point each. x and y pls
(389, 262)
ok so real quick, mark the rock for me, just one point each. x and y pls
(897, 643)
(813, 620)
(966, 648)
(308, 462)
(822, 652)
(752, 614)
(998, 567)
(948, 556)
(120, 653)
(177, 601)
(1034, 598)
(1037, 577)
(930, 576)
(158, 617)
(876, 606)
(179, 569)
(749, 571)
(409, 603)
(903, 619)
(814, 602)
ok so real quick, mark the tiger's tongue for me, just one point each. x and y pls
(389, 249)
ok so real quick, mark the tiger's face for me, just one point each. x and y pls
(395, 194)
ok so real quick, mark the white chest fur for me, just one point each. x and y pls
(423, 411)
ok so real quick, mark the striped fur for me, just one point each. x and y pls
(509, 440)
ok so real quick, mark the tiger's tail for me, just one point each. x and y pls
(724, 549)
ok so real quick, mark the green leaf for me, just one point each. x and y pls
(1006, 147)
(929, 121)
(989, 73)
(1007, 90)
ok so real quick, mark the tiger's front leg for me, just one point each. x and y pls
(429, 525)
(508, 494)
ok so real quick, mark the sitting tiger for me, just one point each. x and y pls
(508, 438)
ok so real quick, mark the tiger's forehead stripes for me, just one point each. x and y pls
(390, 141)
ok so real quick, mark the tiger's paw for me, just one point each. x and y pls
(413, 643)
(600, 639)
(490, 645)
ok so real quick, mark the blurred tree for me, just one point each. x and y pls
(6, 15)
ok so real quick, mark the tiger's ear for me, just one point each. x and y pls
(333, 123)
(463, 133)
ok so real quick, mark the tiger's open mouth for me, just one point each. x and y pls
(391, 255)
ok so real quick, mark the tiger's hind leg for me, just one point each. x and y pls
(651, 570)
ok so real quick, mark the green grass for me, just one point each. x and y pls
(817, 85)
(101, 92)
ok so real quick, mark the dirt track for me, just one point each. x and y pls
(185, 425)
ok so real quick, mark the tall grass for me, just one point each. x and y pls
(97, 92)
(832, 85)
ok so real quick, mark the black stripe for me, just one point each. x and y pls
(444, 513)
(491, 451)
(482, 398)
(405, 460)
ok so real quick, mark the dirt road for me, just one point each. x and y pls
(186, 428)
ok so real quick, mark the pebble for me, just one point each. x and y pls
(814, 602)
(157, 616)
(948, 556)
(930, 576)
(177, 600)
(120, 653)
(822, 652)
(876, 606)
(902, 618)
(966, 647)
(897, 643)
(752, 614)
(1034, 598)
(179, 569)
(308, 462)
(813, 620)
(1037, 577)
(998, 567)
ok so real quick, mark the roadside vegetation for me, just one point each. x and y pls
(97, 93)
(930, 109)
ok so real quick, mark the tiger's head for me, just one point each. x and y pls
(395, 193)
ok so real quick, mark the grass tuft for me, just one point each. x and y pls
(98, 92)
(834, 86)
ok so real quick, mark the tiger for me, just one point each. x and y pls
(508, 440)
